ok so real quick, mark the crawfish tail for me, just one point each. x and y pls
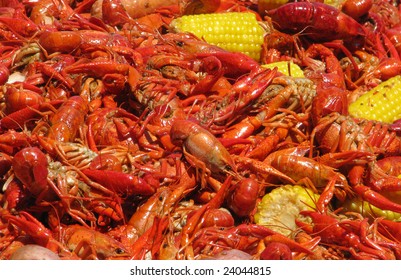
(20, 118)
(119, 182)
(69, 117)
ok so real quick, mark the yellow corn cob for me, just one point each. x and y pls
(287, 68)
(236, 32)
(279, 208)
(381, 103)
(368, 210)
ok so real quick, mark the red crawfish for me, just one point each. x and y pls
(356, 8)
(242, 197)
(163, 201)
(316, 20)
(65, 123)
(18, 98)
(204, 151)
(339, 133)
(26, 116)
(30, 167)
(294, 94)
(349, 235)
(79, 41)
(201, 147)
(119, 182)
(234, 64)
(38, 233)
(244, 93)
(245, 237)
(51, 182)
(12, 141)
(70, 242)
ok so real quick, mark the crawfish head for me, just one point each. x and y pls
(201, 146)
(276, 251)
(329, 100)
(91, 244)
(30, 167)
(325, 226)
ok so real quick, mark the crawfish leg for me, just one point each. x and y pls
(377, 199)
(262, 168)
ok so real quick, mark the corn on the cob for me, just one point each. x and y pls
(368, 210)
(234, 31)
(381, 103)
(288, 68)
(279, 208)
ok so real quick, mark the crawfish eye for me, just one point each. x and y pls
(228, 168)
(119, 251)
(180, 43)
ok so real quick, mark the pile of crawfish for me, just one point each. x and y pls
(122, 139)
